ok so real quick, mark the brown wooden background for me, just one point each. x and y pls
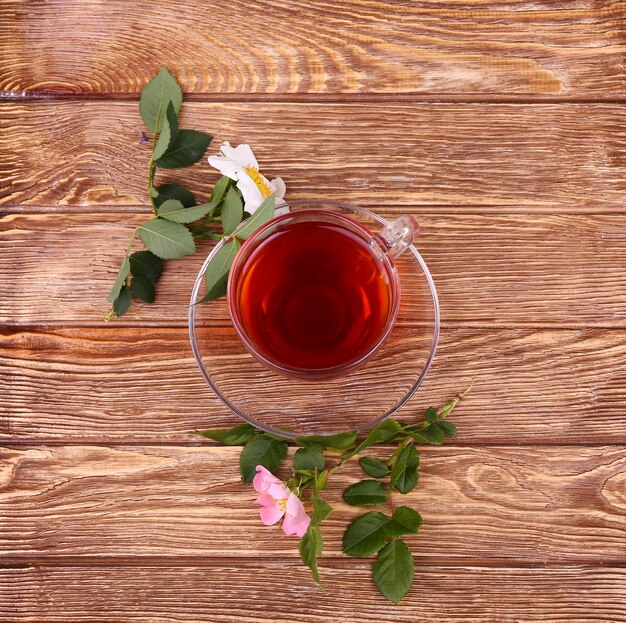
(499, 124)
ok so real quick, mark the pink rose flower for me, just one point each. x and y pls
(277, 501)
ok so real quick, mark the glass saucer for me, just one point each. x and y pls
(293, 407)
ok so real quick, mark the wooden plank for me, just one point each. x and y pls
(565, 158)
(514, 270)
(503, 505)
(228, 593)
(445, 47)
(122, 384)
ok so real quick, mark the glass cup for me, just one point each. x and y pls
(362, 392)
(317, 286)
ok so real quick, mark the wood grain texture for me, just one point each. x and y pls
(490, 270)
(524, 228)
(503, 505)
(570, 49)
(121, 384)
(566, 158)
(234, 593)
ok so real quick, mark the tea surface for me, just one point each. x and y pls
(314, 295)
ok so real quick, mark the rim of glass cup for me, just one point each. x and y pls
(304, 373)
(279, 432)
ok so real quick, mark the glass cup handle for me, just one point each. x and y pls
(397, 236)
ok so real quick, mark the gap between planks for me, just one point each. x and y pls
(195, 443)
(319, 98)
(26, 562)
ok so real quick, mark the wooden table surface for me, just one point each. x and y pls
(499, 124)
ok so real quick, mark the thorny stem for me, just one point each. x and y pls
(204, 222)
(151, 171)
(152, 163)
(342, 460)
(392, 508)
(207, 234)
(448, 407)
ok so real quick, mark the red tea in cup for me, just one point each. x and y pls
(313, 294)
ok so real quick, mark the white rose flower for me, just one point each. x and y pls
(240, 165)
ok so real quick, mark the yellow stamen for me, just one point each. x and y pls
(256, 177)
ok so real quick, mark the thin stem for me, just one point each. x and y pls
(206, 234)
(207, 219)
(390, 499)
(401, 446)
(130, 244)
(342, 460)
(151, 172)
(152, 163)
(445, 411)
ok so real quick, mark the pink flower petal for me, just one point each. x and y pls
(271, 514)
(264, 479)
(295, 508)
(296, 520)
(293, 526)
(265, 499)
(278, 491)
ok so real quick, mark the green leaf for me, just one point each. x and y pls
(221, 188)
(434, 434)
(146, 264)
(263, 214)
(393, 571)
(231, 211)
(373, 467)
(418, 437)
(448, 428)
(217, 291)
(220, 264)
(173, 210)
(120, 280)
(169, 132)
(154, 193)
(405, 520)
(174, 191)
(155, 97)
(339, 441)
(308, 458)
(236, 436)
(365, 535)
(122, 303)
(310, 548)
(142, 288)
(321, 481)
(263, 450)
(165, 239)
(365, 493)
(187, 149)
(431, 414)
(379, 434)
(320, 511)
(387, 430)
(404, 472)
